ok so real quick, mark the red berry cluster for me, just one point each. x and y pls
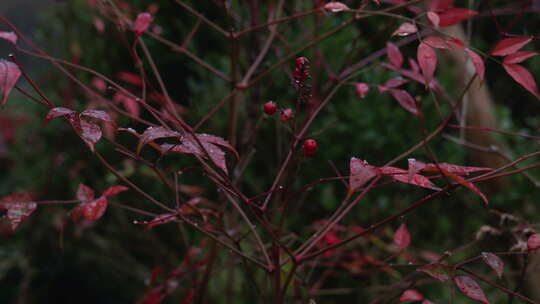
(270, 108)
(310, 147)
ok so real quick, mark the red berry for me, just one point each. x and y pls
(270, 108)
(310, 147)
(286, 115)
(301, 62)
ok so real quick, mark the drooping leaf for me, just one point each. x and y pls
(95, 209)
(455, 15)
(436, 271)
(405, 100)
(9, 74)
(361, 89)
(130, 104)
(114, 190)
(518, 57)
(427, 59)
(394, 54)
(58, 112)
(434, 19)
(403, 176)
(470, 288)
(360, 173)
(402, 237)
(509, 45)
(191, 146)
(478, 63)
(440, 5)
(465, 183)
(153, 133)
(436, 42)
(335, 7)
(494, 262)
(89, 132)
(533, 243)
(405, 29)
(411, 295)
(142, 23)
(85, 193)
(217, 141)
(97, 114)
(522, 76)
(19, 206)
(9, 36)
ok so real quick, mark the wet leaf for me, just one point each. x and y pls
(405, 100)
(427, 59)
(466, 184)
(142, 23)
(58, 112)
(411, 295)
(518, 57)
(335, 7)
(89, 132)
(509, 46)
(153, 133)
(403, 176)
(522, 76)
(478, 63)
(9, 74)
(94, 210)
(436, 271)
(9, 36)
(494, 262)
(394, 54)
(470, 288)
(402, 237)
(405, 29)
(97, 114)
(85, 193)
(360, 173)
(19, 206)
(361, 89)
(533, 243)
(452, 16)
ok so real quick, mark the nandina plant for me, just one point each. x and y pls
(244, 244)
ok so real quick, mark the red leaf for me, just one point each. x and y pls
(509, 46)
(161, 220)
(189, 145)
(217, 141)
(85, 193)
(9, 36)
(518, 57)
(153, 133)
(440, 5)
(360, 173)
(533, 243)
(453, 16)
(97, 114)
(455, 43)
(470, 288)
(413, 75)
(405, 100)
(402, 237)
(436, 42)
(414, 65)
(459, 170)
(478, 63)
(19, 206)
(130, 104)
(9, 74)
(405, 29)
(58, 112)
(403, 176)
(94, 210)
(114, 190)
(427, 59)
(436, 271)
(494, 262)
(89, 132)
(434, 19)
(395, 82)
(361, 89)
(394, 54)
(335, 7)
(99, 84)
(466, 184)
(522, 76)
(130, 78)
(411, 295)
(142, 23)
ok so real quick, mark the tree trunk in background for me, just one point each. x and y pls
(478, 111)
